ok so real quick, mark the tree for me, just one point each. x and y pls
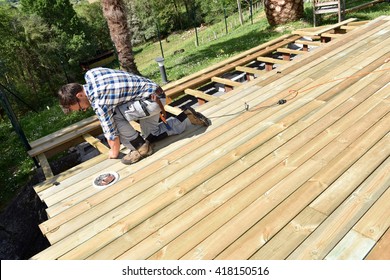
(58, 13)
(115, 13)
(283, 11)
(240, 12)
(28, 56)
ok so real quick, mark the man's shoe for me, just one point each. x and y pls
(196, 118)
(146, 149)
(136, 155)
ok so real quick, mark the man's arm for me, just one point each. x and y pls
(115, 146)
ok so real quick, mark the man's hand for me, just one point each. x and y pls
(156, 99)
(112, 154)
(115, 146)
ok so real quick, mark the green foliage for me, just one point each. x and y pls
(95, 25)
(58, 13)
(42, 45)
(16, 167)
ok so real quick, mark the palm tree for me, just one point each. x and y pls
(115, 13)
(283, 11)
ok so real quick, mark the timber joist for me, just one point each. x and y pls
(265, 53)
(307, 178)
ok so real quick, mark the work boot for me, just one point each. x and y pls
(196, 118)
(135, 155)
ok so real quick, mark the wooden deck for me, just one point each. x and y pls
(305, 179)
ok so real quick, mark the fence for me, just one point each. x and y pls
(226, 24)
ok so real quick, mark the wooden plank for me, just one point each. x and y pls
(310, 43)
(199, 79)
(348, 27)
(96, 143)
(278, 247)
(52, 182)
(200, 94)
(216, 67)
(271, 60)
(304, 196)
(376, 221)
(45, 166)
(173, 110)
(381, 251)
(267, 201)
(48, 145)
(363, 236)
(290, 51)
(353, 246)
(82, 170)
(226, 81)
(323, 239)
(250, 70)
(68, 129)
(176, 248)
(331, 35)
(327, 3)
(318, 12)
(358, 23)
(325, 29)
(224, 139)
(141, 219)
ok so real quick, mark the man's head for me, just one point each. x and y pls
(72, 98)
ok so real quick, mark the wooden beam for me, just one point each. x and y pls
(286, 52)
(226, 81)
(290, 51)
(250, 70)
(309, 43)
(331, 35)
(271, 60)
(96, 143)
(348, 27)
(325, 29)
(173, 110)
(45, 166)
(199, 94)
(174, 89)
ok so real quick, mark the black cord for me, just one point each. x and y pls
(246, 106)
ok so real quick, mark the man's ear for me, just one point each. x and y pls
(80, 94)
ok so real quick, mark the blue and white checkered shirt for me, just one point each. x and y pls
(108, 88)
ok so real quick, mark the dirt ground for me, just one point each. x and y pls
(20, 236)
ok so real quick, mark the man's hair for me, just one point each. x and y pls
(67, 94)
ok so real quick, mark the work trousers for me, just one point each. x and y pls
(147, 112)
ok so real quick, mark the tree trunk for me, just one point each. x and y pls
(115, 13)
(240, 12)
(283, 11)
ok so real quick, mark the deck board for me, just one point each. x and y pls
(265, 181)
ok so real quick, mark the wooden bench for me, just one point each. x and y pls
(325, 6)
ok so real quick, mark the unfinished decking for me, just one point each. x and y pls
(307, 179)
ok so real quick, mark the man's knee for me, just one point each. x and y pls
(153, 138)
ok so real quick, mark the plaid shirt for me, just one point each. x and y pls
(107, 88)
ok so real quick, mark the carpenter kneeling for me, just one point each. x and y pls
(118, 97)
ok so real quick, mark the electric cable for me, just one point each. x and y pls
(294, 93)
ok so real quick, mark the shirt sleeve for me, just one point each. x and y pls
(106, 118)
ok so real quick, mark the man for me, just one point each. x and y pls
(118, 97)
